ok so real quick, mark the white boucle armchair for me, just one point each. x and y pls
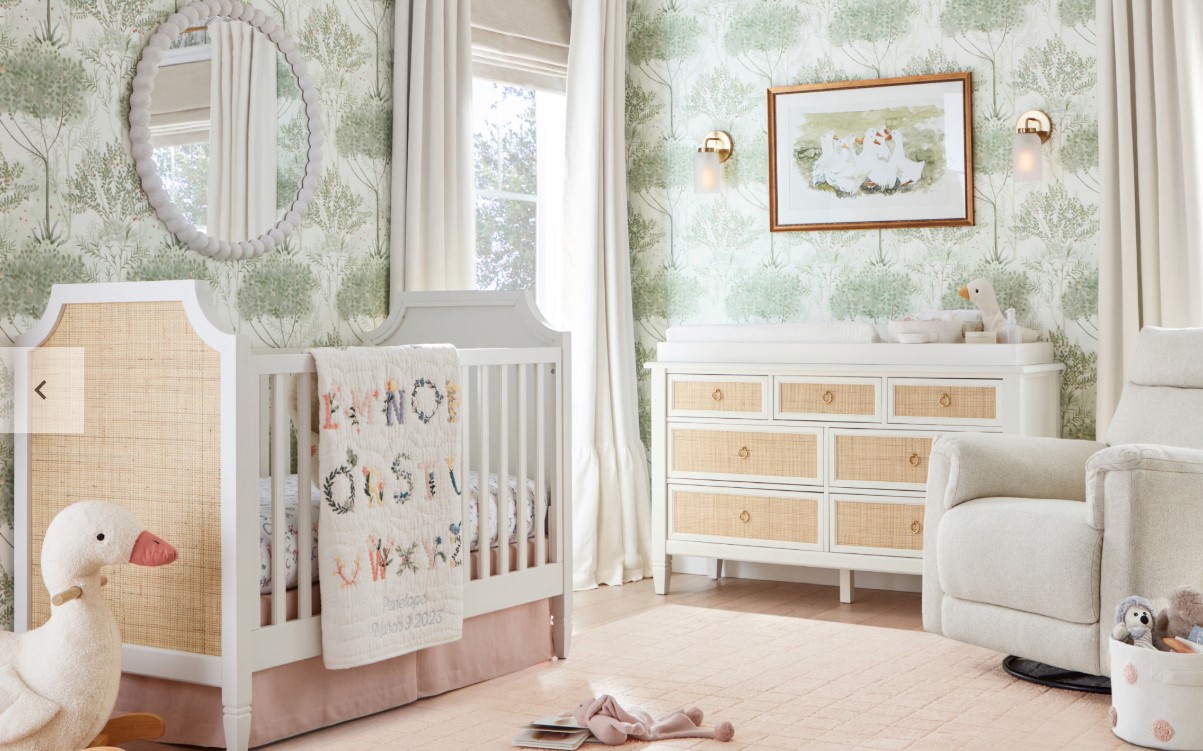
(1030, 543)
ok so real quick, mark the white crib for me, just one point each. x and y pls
(515, 420)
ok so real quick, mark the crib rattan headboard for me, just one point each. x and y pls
(152, 443)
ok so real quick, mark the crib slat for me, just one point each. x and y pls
(465, 468)
(520, 504)
(305, 519)
(540, 467)
(265, 416)
(503, 474)
(483, 506)
(560, 531)
(279, 474)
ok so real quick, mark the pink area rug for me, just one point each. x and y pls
(786, 683)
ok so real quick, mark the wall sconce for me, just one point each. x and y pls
(1031, 130)
(716, 149)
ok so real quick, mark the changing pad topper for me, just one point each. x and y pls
(838, 332)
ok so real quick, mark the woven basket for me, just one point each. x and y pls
(1156, 697)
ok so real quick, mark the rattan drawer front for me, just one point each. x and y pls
(718, 396)
(854, 400)
(958, 402)
(745, 516)
(783, 456)
(881, 459)
(878, 525)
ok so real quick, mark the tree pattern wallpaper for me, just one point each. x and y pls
(695, 65)
(72, 209)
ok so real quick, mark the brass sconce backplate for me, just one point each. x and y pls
(1037, 122)
(720, 143)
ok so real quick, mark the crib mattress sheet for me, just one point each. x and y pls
(290, 516)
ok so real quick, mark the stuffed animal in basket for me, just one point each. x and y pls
(58, 683)
(613, 724)
(1182, 614)
(1135, 619)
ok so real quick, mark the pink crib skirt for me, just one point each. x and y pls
(304, 696)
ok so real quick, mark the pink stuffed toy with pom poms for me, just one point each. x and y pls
(612, 724)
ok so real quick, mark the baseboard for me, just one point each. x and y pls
(687, 564)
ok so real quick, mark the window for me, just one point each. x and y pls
(518, 135)
(184, 169)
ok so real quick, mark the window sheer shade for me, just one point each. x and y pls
(179, 110)
(521, 42)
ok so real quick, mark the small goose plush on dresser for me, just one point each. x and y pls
(58, 683)
(980, 292)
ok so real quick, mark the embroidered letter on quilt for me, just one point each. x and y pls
(390, 549)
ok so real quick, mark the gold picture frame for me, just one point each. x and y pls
(824, 182)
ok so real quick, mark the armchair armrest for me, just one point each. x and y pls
(1167, 476)
(965, 466)
(1148, 502)
(984, 465)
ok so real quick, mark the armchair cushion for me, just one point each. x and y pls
(1036, 556)
(1162, 415)
(1169, 472)
(984, 465)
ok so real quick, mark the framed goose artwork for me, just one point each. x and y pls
(880, 154)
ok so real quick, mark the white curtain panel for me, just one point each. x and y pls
(1150, 108)
(433, 216)
(242, 133)
(588, 291)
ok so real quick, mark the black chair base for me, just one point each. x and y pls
(1054, 677)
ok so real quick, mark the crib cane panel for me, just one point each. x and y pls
(151, 443)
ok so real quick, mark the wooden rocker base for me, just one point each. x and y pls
(140, 726)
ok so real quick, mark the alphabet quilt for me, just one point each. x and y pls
(390, 552)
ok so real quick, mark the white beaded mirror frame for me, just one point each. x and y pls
(140, 134)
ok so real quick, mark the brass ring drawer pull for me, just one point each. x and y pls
(828, 397)
(914, 460)
(744, 453)
(915, 527)
(945, 400)
(745, 517)
(717, 395)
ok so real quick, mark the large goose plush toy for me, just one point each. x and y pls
(58, 683)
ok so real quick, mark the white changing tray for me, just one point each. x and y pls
(839, 332)
(833, 344)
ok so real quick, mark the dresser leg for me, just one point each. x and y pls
(847, 585)
(662, 568)
(714, 568)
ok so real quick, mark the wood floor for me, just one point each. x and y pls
(872, 607)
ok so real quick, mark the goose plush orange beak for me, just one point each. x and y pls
(151, 550)
(963, 292)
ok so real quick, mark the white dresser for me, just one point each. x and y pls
(817, 455)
